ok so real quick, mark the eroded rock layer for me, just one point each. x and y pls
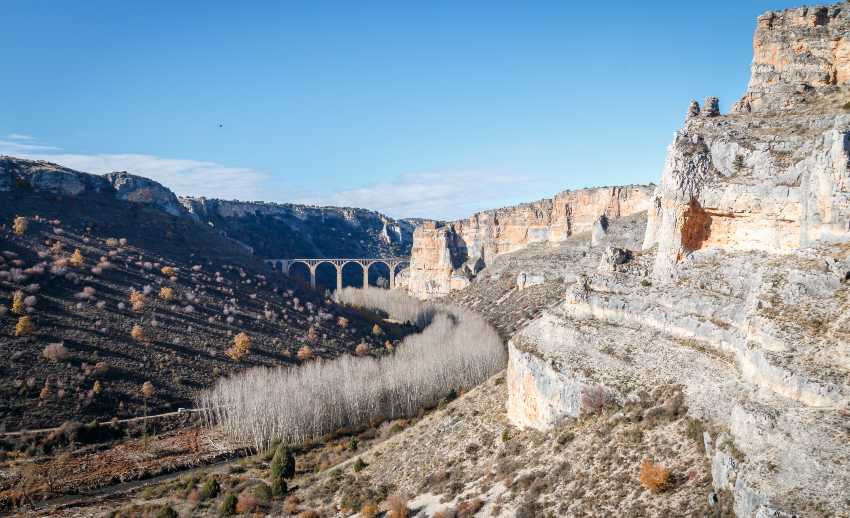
(445, 257)
(740, 291)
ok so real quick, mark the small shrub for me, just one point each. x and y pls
(210, 489)
(695, 432)
(283, 463)
(654, 477)
(305, 353)
(376, 330)
(19, 225)
(369, 510)
(359, 465)
(166, 512)
(279, 487)
(18, 303)
(594, 399)
(362, 349)
(228, 505)
(738, 163)
(262, 492)
(342, 322)
(24, 326)
(138, 333)
(397, 506)
(166, 293)
(56, 352)
(846, 106)
(241, 346)
(76, 259)
(168, 271)
(137, 300)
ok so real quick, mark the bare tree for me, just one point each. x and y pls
(456, 350)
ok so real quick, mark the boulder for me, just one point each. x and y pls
(711, 107)
(526, 280)
(693, 110)
(613, 258)
(599, 230)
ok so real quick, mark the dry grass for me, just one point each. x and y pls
(397, 506)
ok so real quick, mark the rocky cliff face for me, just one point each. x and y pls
(446, 256)
(41, 176)
(740, 292)
(268, 230)
(275, 230)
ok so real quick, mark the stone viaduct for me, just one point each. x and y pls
(392, 264)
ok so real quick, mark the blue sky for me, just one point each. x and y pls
(428, 109)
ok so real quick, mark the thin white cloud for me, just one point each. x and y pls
(11, 147)
(439, 195)
(183, 176)
(19, 136)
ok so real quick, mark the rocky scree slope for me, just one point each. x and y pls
(740, 294)
(199, 290)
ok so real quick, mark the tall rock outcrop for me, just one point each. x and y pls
(446, 256)
(775, 174)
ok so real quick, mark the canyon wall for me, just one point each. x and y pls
(285, 230)
(445, 257)
(740, 294)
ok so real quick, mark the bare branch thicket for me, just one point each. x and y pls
(455, 352)
(394, 303)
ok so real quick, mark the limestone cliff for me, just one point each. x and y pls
(740, 294)
(446, 256)
(775, 174)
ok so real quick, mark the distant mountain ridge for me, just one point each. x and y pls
(268, 230)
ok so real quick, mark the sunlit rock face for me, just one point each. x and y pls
(447, 257)
(42, 176)
(775, 174)
(795, 51)
(740, 292)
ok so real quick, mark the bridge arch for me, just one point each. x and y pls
(392, 264)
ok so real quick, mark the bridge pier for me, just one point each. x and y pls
(285, 265)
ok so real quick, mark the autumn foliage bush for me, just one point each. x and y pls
(24, 326)
(137, 300)
(241, 346)
(19, 225)
(654, 477)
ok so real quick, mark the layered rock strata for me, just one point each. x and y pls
(740, 294)
(445, 257)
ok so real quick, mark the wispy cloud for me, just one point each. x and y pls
(19, 136)
(183, 176)
(439, 195)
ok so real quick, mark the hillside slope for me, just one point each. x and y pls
(128, 239)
